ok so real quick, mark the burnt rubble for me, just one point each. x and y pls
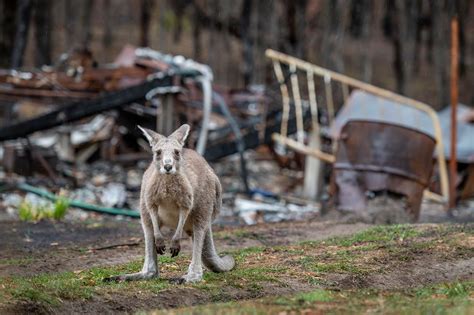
(71, 131)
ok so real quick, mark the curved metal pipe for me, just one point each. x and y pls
(238, 137)
(207, 106)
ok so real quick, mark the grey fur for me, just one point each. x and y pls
(179, 190)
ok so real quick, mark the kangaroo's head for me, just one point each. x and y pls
(167, 150)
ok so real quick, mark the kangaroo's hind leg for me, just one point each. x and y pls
(150, 268)
(195, 270)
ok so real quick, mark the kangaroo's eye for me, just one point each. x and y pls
(158, 152)
(176, 152)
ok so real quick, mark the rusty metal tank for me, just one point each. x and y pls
(377, 156)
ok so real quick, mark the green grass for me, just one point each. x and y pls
(259, 268)
(250, 279)
(451, 290)
(240, 255)
(378, 234)
(52, 288)
(251, 274)
(339, 265)
(445, 298)
(16, 261)
(307, 298)
(432, 300)
(30, 212)
(235, 233)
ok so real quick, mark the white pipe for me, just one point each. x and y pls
(207, 106)
(205, 79)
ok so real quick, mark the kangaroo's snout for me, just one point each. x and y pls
(168, 164)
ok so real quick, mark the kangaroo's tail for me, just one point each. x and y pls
(210, 257)
(218, 201)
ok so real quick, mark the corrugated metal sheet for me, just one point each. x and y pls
(364, 106)
(465, 141)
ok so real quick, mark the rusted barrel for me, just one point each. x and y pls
(376, 156)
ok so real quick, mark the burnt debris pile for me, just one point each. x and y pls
(315, 140)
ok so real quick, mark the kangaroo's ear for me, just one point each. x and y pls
(181, 134)
(150, 135)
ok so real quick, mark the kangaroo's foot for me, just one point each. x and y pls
(160, 245)
(132, 277)
(190, 277)
(175, 247)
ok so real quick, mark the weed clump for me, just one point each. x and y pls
(33, 213)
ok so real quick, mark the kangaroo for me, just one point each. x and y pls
(179, 190)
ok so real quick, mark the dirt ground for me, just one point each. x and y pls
(58, 267)
(56, 247)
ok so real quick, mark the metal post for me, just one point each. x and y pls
(454, 105)
(165, 114)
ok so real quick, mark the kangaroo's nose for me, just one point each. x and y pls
(168, 167)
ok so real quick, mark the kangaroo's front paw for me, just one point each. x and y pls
(160, 246)
(175, 248)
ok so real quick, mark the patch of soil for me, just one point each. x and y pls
(54, 247)
(23, 237)
(130, 303)
(285, 233)
(388, 209)
(424, 266)
(31, 248)
(426, 271)
(27, 307)
(167, 299)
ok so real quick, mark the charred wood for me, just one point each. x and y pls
(78, 110)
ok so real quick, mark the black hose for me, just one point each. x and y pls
(238, 138)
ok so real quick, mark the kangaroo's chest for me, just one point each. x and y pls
(168, 214)
(167, 198)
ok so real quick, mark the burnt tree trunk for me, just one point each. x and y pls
(247, 43)
(225, 45)
(70, 17)
(440, 50)
(402, 18)
(108, 35)
(86, 20)
(263, 36)
(335, 18)
(146, 8)
(197, 49)
(43, 20)
(7, 34)
(179, 7)
(408, 24)
(22, 18)
(299, 28)
(362, 16)
(462, 10)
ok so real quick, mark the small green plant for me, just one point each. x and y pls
(30, 212)
(60, 208)
(26, 212)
